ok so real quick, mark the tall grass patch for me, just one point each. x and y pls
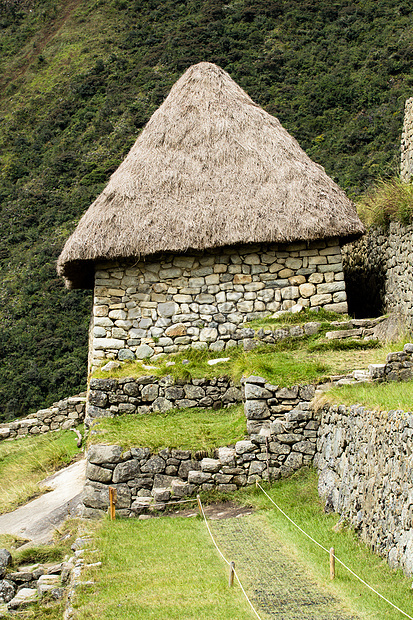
(386, 201)
(25, 462)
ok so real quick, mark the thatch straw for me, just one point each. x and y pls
(211, 168)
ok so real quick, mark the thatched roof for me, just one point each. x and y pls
(211, 168)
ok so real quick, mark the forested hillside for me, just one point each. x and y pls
(79, 79)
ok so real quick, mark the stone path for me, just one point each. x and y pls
(277, 585)
(38, 519)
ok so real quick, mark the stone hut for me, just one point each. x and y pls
(215, 217)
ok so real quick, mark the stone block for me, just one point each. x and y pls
(227, 456)
(98, 474)
(108, 343)
(320, 300)
(100, 454)
(256, 410)
(198, 477)
(126, 471)
(210, 465)
(155, 465)
(254, 392)
(243, 447)
(208, 334)
(143, 351)
(307, 290)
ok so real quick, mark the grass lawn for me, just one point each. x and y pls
(25, 462)
(187, 429)
(384, 396)
(168, 567)
(298, 497)
(159, 569)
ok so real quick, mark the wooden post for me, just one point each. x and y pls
(268, 458)
(198, 499)
(112, 502)
(231, 574)
(332, 564)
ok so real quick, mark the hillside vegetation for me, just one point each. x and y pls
(78, 81)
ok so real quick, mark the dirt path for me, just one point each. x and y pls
(38, 519)
(277, 585)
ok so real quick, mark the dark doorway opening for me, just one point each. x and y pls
(365, 291)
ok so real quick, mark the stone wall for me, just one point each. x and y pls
(379, 272)
(167, 304)
(406, 164)
(365, 468)
(64, 414)
(281, 437)
(111, 397)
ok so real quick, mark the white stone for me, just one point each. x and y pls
(219, 360)
(108, 343)
(167, 309)
(307, 290)
(208, 334)
(143, 352)
(290, 292)
(117, 314)
(320, 300)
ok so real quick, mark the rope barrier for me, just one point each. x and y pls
(328, 551)
(225, 559)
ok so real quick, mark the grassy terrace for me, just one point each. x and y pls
(168, 567)
(309, 359)
(186, 429)
(384, 396)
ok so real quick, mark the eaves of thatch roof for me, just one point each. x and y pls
(210, 169)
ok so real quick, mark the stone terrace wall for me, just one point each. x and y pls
(365, 466)
(406, 164)
(64, 414)
(383, 261)
(202, 299)
(111, 397)
(281, 419)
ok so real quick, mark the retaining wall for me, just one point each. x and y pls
(281, 437)
(365, 465)
(64, 414)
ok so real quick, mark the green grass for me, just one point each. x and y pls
(168, 567)
(290, 362)
(384, 396)
(297, 496)
(386, 201)
(344, 345)
(158, 569)
(25, 462)
(186, 429)
(299, 318)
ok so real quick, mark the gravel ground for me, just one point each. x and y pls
(277, 586)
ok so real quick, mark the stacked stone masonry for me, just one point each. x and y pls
(388, 254)
(282, 435)
(111, 397)
(365, 468)
(168, 304)
(64, 414)
(406, 164)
